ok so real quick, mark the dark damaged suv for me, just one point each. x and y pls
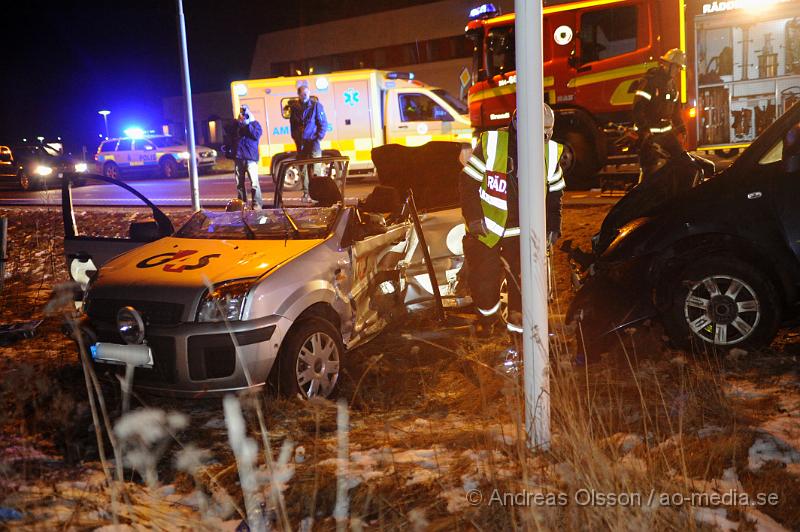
(718, 265)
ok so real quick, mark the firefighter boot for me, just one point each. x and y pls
(511, 358)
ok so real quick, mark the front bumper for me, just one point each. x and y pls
(614, 298)
(192, 359)
(201, 162)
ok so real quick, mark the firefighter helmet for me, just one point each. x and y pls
(234, 205)
(549, 121)
(676, 56)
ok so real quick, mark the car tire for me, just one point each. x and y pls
(309, 360)
(721, 301)
(278, 158)
(111, 170)
(294, 179)
(579, 161)
(169, 168)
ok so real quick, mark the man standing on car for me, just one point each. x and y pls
(308, 125)
(490, 205)
(247, 133)
(657, 113)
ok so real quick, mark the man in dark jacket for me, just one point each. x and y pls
(248, 131)
(309, 125)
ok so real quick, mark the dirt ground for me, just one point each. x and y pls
(430, 425)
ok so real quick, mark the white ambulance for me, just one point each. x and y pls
(365, 109)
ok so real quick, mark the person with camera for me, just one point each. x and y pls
(308, 127)
(247, 133)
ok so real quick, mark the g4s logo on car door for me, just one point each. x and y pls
(174, 261)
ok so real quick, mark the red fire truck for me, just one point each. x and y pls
(743, 70)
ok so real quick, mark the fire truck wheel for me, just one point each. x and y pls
(111, 170)
(579, 161)
(25, 182)
(169, 168)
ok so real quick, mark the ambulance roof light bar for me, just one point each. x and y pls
(400, 75)
(484, 11)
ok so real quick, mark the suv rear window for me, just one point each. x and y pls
(108, 145)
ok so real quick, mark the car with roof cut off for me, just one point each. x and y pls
(232, 300)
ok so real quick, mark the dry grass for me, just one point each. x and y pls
(428, 423)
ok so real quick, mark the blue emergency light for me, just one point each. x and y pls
(134, 132)
(483, 11)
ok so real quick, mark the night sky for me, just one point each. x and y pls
(63, 61)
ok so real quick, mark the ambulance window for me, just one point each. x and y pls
(416, 107)
(124, 145)
(608, 33)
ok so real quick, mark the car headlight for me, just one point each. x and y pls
(213, 153)
(81, 167)
(130, 325)
(43, 170)
(183, 155)
(225, 302)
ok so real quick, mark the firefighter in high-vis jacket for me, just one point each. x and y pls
(490, 206)
(657, 113)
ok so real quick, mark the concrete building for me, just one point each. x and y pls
(427, 40)
(210, 109)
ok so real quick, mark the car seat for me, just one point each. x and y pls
(324, 191)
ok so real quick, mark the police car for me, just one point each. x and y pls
(159, 154)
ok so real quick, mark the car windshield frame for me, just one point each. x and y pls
(312, 223)
(161, 141)
(31, 150)
(457, 105)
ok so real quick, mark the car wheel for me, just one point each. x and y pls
(722, 301)
(309, 359)
(111, 170)
(579, 161)
(25, 182)
(169, 168)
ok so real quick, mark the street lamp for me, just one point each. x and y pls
(105, 118)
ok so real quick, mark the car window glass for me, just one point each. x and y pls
(266, 224)
(143, 144)
(108, 145)
(165, 141)
(774, 155)
(124, 145)
(5, 154)
(608, 33)
(416, 107)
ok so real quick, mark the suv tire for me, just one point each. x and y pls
(111, 170)
(721, 301)
(169, 168)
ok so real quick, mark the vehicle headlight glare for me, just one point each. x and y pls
(81, 167)
(225, 302)
(213, 153)
(130, 325)
(183, 155)
(43, 170)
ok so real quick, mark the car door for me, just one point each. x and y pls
(8, 170)
(87, 247)
(143, 154)
(416, 119)
(123, 154)
(781, 188)
(376, 289)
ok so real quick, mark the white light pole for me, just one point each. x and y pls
(532, 221)
(105, 114)
(194, 184)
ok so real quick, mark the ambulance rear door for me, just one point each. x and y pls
(352, 120)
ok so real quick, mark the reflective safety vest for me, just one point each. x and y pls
(493, 176)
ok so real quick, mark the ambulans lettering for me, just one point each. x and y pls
(173, 261)
(281, 130)
(496, 183)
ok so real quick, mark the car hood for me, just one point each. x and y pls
(178, 269)
(182, 148)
